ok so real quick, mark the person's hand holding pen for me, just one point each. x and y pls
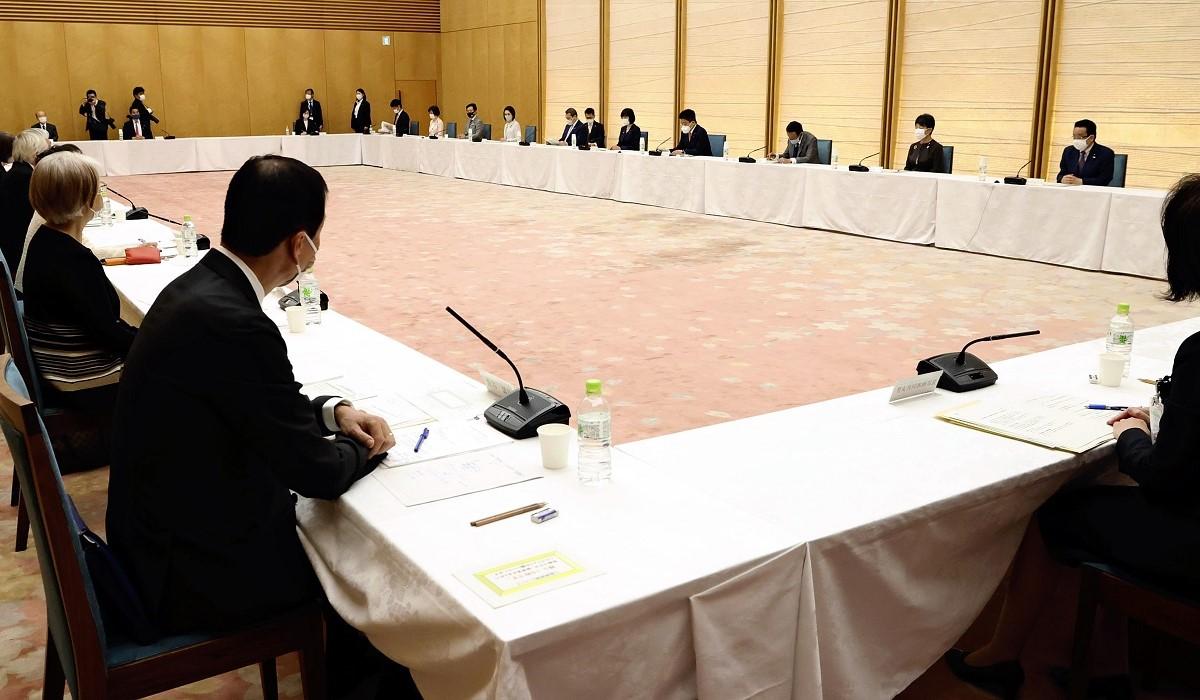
(1129, 419)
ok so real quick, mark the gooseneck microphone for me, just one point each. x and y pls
(1018, 180)
(860, 168)
(135, 212)
(962, 371)
(658, 149)
(519, 414)
(747, 159)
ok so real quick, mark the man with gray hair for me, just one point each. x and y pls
(44, 124)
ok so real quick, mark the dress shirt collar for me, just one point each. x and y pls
(253, 278)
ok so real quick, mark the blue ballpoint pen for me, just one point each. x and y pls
(1102, 407)
(424, 434)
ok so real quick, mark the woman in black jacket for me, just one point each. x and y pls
(360, 114)
(1152, 529)
(630, 136)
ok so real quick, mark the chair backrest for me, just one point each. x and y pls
(414, 128)
(1120, 166)
(948, 158)
(487, 132)
(824, 151)
(531, 134)
(452, 129)
(16, 340)
(717, 143)
(646, 140)
(72, 611)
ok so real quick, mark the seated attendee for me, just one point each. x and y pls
(801, 146)
(595, 130)
(1085, 162)
(360, 113)
(437, 129)
(72, 312)
(306, 125)
(134, 128)
(573, 128)
(473, 129)
(44, 124)
(925, 155)
(630, 137)
(1151, 530)
(144, 112)
(37, 221)
(512, 127)
(200, 496)
(400, 120)
(6, 145)
(15, 209)
(694, 139)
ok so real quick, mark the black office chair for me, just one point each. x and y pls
(824, 151)
(717, 143)
(486, 134)
(531, 134)
(414, 128)
(948, 157)
(1120, 166)
(451, 130)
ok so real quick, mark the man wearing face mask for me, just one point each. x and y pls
(206, 520)
(1086, 162)
(146, 114)
(95, 111)
(595, 130)
(693, 139)
(801, 147)
(313, 107)
(400, 121)
(360, 114)
(573, 128)
(135, 127)
(474, 126)
(44, 124)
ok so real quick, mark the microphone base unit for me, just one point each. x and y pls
(972, 374)
(859, 169)
(1014, 181)
(520, 421)
(137, 213)
(746, 159)
(522, 143)
(656, 152)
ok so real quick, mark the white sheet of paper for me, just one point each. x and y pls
(517, 580)
(349, 389)
(453, 476)
(398, 411)
(1057, 421)
(446, 438)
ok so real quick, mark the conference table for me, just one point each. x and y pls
(832, 550)
(1092, 228)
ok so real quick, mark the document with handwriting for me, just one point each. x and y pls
(1057, 421)
(453, 476)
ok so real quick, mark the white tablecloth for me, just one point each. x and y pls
(534, 166)
(675, 182)
(150, 156)
(232, 153)
(894, 206)
(588, 173)
(761, 191)
(324, 150)
(482, 162)
(1133, 243)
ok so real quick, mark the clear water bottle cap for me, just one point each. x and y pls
(593, 387)
(1123, 309)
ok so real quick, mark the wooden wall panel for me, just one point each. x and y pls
(357, 59)
(418, 56)
(282, 64)
(1131, 67)
(973, 66)
(726, 77)
(405, 15)
(32, 56)
(113, 59)
(572, 71)
(417, 96)
(832, 72)
(204, 80)
(642, 66)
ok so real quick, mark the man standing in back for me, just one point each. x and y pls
(313, 107)
(95, 111)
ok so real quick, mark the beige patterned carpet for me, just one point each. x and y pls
(689, 320)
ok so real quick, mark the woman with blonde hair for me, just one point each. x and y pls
(15, 210)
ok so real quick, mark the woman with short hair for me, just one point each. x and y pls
(630, 136)
(512, 127)
(15, 210)
(436, 127)
(925, 155)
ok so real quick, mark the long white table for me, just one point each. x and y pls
(186, 155)
(826, 551)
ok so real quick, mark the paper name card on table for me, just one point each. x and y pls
(446, 438)
(1058, 421)
(521, 579)
(915, 386)
(348, 389)
(398, 411)
(454, 476)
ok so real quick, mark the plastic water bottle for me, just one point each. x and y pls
(120, 134)
(106, 210)
(726, 151)
(594, 422)
(983, 163)
(572, 140)
(1120, 334)
(310, 297)
(186, 245)
(833, 158)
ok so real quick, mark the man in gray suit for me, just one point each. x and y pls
(474, 123)
(801, 146)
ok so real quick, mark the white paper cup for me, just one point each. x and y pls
(295, 318)
(556, 442)
(1112, 368)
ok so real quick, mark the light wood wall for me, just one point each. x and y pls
(204, 80)
(1132, 68)
(489, 56)
(572, 60)
(642, 67)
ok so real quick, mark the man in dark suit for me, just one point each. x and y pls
(1086, 162)
(135, 128)
(694, 140)
(313, 107)
(95, 111)
(200, 495)
(44, 124)
(595, 130)
(801, 146)
(306, 125)
(573, 128)
(400, 121)
(144, 110)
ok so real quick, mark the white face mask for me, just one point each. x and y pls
(358, 97)
(793, 142)
(431, 117)
(508, 117)
(628, 121)
(685, 128)
(590, 121)
(142, 96)
(309, 241)
(41, 120)
(308, 98)
(919, 132)
(1080, 144)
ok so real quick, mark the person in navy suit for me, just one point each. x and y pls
(573, 127)
(595, 130)
(694, 138)
(1086, 162)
